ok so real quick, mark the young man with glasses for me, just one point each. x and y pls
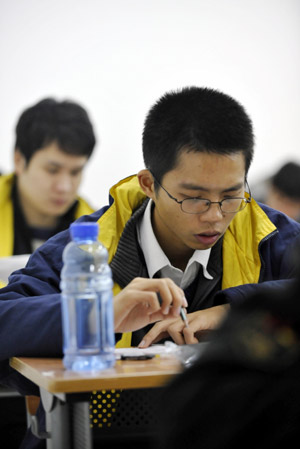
(188, 216)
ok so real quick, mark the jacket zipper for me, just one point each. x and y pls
(261, 259)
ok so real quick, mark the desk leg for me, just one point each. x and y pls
(82, 432)
(57, 421)
(67, 420)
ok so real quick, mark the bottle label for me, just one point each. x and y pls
(88, 322)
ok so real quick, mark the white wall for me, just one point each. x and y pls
(117, 57)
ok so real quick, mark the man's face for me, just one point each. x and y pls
(48, 184)
(204, 175)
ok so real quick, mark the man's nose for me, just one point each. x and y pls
(64, 183)
(214, 213)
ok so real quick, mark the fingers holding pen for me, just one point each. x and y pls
(164, 294)
(144, 301)
(171, 297)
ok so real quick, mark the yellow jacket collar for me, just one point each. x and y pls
(127, 196)
(7, 214)
(241, 260)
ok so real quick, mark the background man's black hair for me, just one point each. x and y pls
(287, 180)
(66, 123)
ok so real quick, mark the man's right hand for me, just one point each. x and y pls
(138, 305)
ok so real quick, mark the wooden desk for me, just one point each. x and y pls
(61, 389)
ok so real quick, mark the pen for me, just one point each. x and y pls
(182, 312)
(183, 317)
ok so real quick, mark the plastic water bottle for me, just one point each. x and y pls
(87, 304)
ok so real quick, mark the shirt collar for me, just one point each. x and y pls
(154, 256)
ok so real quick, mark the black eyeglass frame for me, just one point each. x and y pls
(209, 202)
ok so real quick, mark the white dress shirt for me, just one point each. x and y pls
(157, 261)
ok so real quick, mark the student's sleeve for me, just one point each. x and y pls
(236, 296)
(30, 311)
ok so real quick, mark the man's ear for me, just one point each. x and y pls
(19, 162)
(146, 182)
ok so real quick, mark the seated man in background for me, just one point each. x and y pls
(188, 215)
(282, 190)
(54, 141)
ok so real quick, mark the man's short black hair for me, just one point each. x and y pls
(195, 119)
(66, 123)
(287, 180)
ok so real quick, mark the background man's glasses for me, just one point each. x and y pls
(201, 205)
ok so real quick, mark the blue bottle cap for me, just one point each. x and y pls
(84, 231)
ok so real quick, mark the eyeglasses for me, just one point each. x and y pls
(201, 205)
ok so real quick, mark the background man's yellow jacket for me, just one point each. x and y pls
(7, 215)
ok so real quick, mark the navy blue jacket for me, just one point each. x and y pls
(30, 310)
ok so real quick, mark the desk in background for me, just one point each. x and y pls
(10, 264)
(62, 390)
